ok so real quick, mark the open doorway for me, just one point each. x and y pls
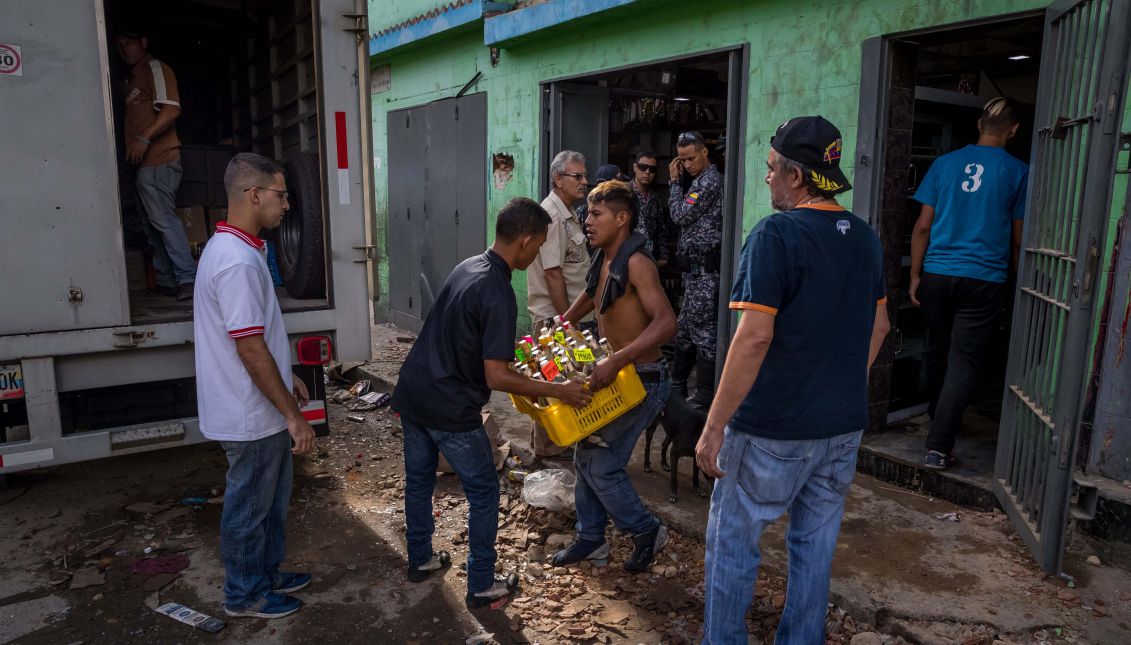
(612, 116)
(938, 84)
(246, 81)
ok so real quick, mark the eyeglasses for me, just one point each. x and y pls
(689, 138)
(282, 193)
(644, 167)
(576, 175)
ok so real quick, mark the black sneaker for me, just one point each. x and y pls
(439, 561)
(935, 460)
(648, 545)
(496, 595)
(597, 552)
(184, 291)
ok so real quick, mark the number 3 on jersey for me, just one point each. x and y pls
(974, 170)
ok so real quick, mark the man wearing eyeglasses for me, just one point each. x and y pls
(152, 108)
(695, 199)
(248, 399)
(558, 275)
(651, 217)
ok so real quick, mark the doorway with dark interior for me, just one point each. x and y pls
(936, 87)
(613, 116)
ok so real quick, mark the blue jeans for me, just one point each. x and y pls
(603, 487)
(253, 523)
(473, 459)
(157, 192)
(765, 478)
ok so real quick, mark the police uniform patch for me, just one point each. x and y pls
(692, 198)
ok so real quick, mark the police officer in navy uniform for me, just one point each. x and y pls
(695, 199)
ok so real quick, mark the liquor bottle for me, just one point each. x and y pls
(606, 347)
(550, 371)
(594, 346)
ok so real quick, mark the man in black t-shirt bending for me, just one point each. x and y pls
(463, 353)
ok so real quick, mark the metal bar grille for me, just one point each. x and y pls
(1049, 263)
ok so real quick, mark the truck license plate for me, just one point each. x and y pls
(11, 382)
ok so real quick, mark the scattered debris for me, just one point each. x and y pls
(1094, 560)
(87, 577)
(173, 513)
(406, 339)
(103, 545)
(168, 564)
(356, 418)
(378, 399)
(359, 388)
(192, 617)
(479, 638)
(951, 516)
(551, 489)
(148, 508)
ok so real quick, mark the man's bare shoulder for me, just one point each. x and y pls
(640, 266)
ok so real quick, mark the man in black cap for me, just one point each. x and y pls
(792, 404)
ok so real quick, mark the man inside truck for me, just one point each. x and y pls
(152, 107)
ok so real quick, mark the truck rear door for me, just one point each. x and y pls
(343, 82)
(62, 262)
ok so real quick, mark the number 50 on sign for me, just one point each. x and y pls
(11, 60)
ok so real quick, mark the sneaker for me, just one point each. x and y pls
(439, 561)
(184, 291)
(935, 460)
(290, 582)
(597, 552)
(272, 605)
(648, 545)
(496, 595)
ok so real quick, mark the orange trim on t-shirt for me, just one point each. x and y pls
(753, 306)
(882, 301)
(823, 207)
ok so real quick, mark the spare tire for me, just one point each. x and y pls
(299, 241)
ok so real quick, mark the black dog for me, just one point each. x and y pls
(683, 425)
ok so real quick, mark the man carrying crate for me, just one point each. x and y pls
(633, 313)
(463, 352)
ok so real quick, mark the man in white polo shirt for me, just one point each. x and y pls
(248, 398)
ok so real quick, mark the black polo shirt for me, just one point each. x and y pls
(442, 385)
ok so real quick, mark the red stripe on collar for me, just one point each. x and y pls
(251, 240)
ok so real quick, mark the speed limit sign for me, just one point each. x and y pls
(11, 61)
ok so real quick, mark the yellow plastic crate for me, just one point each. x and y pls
(566, 425)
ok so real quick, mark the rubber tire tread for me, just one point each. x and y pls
(307, 278)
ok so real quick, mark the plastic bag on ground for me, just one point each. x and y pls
(551, 489)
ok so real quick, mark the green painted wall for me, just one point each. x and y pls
(805, 59)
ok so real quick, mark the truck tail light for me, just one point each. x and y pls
(314, 350)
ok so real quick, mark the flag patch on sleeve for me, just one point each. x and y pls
(692, 198)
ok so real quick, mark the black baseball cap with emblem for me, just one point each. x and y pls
(815, 143)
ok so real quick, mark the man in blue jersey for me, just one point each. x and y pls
(964, 244)
(792, 404)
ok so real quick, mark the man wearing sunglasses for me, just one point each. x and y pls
(650, 221)
(695, 199)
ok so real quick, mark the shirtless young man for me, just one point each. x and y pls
(633, 313)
